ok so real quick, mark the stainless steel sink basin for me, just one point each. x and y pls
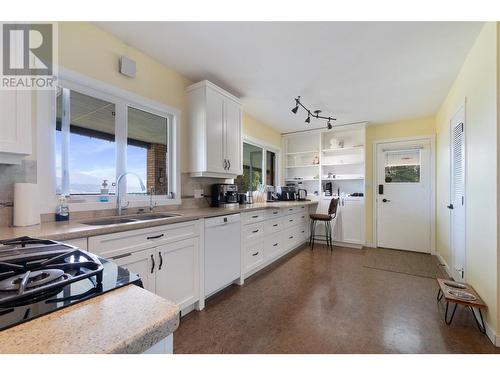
(142, 217)
(128, 219)
(108, 221)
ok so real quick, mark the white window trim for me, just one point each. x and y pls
(265, 146)
(46, 113)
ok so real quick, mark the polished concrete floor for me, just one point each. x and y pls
(322, 302)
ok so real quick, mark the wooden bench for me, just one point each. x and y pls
(461, 294)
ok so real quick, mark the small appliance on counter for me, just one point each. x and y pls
(224, 195)
(242, 198)
(286, 193)
(328, 189)
(38, 277)
(271, 196)
(302, 194)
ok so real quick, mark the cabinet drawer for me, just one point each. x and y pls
(273, 246)
(273, 213)
(291, 237)
(115, 243)
(294, 219)
(273, 226)
(252, 217)
(252, 232)
(294, 210)
(254, 255)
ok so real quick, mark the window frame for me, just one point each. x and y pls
(122, 99)
(265, 147)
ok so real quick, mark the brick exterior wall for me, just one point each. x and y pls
(157, 169)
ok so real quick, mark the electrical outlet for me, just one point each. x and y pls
(198, 193)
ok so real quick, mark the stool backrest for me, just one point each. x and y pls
(332, 209)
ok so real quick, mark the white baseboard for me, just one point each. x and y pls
(445, 265)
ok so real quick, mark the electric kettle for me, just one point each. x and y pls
(302, 194)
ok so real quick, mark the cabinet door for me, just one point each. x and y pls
(141, 263)
(177, 275)
(215, 132)
(352, 221)
(15, 119)
(233, 136)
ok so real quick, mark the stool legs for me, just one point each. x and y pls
(313, 230)
(328, 234)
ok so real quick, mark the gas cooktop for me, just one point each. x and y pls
(40, 276)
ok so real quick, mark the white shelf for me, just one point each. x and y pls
(303, 166)
(337, 164)
(343, 178)
(343, 150)
(302, 153)
(298, 179)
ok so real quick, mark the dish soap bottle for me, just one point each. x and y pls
(104, 197)
(62, 209)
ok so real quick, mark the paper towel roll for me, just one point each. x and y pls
(26, 205)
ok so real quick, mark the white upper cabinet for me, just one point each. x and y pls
(15, 126)
(214, 118)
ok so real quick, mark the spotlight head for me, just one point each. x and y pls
(308, 119)
(295, 109)
(330, 126)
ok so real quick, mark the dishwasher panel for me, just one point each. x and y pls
(222, 252)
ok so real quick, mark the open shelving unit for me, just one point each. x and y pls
(315, 158)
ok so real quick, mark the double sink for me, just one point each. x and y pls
(128, 219)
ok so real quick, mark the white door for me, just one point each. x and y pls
(177, 272)
(141, 263)
(457, 195)
(215, 132)
(233, 136)
(404, 195)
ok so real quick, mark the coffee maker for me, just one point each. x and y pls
(286, 193)
(224, 195)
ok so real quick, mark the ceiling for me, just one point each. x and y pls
(354, 71)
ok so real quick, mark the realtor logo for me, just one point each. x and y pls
(27, 56)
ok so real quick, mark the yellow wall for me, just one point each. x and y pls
(374, 132)
(86, 49)
(255, 129)
(477, 84)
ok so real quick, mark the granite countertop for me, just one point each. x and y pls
(72, 229)
(127, 320)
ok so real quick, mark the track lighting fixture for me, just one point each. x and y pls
(316, 113)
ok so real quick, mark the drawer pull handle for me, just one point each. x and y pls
(254, 254)
(275, 225)
(275, 213)
(290, 220)
(255, 231)
(255, 216)
(290, 237)
(275, 245)
(290, 209)
(155, 237)
(161, 260)
(121, 256)
(153, 263)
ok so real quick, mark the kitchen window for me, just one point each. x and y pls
(259, 167)
(99, 136)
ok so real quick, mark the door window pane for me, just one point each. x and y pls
(147, 151)
(85, 131)
(270, 168)
(252, 168)
(402, 166)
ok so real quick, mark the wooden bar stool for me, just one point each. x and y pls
(327, 220)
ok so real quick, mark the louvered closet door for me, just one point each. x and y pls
(457, 194)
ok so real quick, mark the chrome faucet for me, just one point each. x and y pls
(119, 207)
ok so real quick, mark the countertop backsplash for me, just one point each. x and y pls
(9, 175)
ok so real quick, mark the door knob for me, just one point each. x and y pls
(450, 206)
(386, 200)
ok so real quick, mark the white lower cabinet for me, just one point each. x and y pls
(166, 258)
(353, 212)
(271, 233)
(177, 273)
(142, 263)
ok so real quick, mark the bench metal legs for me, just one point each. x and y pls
(448, 320)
